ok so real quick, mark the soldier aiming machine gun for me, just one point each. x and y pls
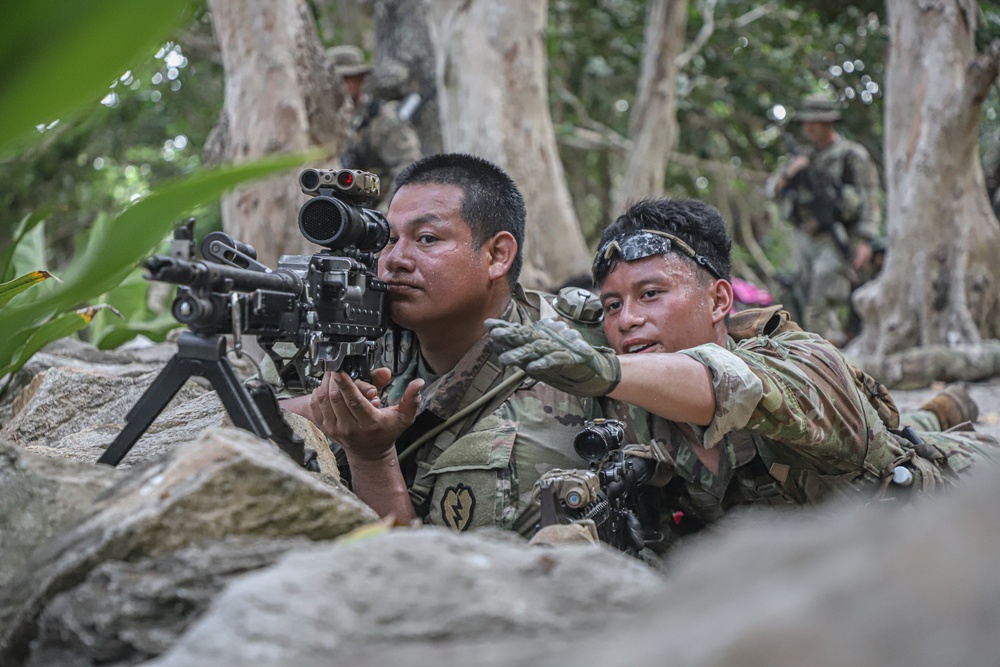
(607, 495)
(314, 313)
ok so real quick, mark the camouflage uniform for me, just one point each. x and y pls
(790, 428)
(480, 472)
(825, 276)
(381, 142)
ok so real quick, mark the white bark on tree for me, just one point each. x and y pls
(653, 123)
(493, 100)
(939, 283)
(404, 64)
(280, 97)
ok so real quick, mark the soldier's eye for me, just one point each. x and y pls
(612, 306)
(426, 238)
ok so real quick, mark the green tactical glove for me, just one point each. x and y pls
(557, 355)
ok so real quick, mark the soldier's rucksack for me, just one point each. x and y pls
(754, 322)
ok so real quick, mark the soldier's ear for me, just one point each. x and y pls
(723, 300)
(501, 249)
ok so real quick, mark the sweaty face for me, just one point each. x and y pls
(658, 304)
(435, 275)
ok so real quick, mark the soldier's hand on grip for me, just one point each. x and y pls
(556, 354)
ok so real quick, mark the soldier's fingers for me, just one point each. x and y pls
(559, 359)
(380, 378)
(367, 390)
(407, 408)
(352, 405)
(526, 353)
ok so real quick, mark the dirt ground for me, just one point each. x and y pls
(986, 394)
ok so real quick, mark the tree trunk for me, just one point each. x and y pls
(493, 96)
(404, 64)
(938, 285)
(280, 97)
(653, 123)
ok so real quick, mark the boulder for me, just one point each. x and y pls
(73, 408)
(124, 613)
(227, 482)
(913, 586)
(405, 591)
(38, 497)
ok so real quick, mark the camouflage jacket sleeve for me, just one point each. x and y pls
(805, 397)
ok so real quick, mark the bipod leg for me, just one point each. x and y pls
(148, 408)
(204, 356)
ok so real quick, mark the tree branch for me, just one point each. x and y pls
(707, 10)
(983, 72)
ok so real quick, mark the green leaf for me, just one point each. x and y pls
(56, 55)
(27, 250)
(60, 327)
(155, 329)
(130, 237)
(12, 288)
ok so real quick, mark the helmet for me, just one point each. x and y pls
(348, 60)
(818, 108)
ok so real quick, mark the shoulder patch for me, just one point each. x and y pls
(458, 504)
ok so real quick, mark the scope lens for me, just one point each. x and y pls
(309, 179)
(330, 222)
(322, 221)
(591, 445)
(345, 179)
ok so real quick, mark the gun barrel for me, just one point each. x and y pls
(219, 277)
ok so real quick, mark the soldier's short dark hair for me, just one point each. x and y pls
(491, 201)
(696, 223)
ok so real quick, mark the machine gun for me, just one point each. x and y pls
(314, 313)
(607, 495)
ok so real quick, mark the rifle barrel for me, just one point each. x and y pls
(219, 277)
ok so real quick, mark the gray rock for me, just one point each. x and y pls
(39, 496)
(406, 589)
(125, 613)
(79, 412)
(228, 482)
(913, 586)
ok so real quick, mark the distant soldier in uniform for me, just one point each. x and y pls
(380, 139)
(831, 195)
(739, 411)
(454, 438)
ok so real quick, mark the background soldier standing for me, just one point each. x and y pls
(831, 195)
(380, 138)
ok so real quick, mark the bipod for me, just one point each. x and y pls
(205, 356)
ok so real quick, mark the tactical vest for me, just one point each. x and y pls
(492, 385)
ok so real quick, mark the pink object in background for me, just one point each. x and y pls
(750, 295)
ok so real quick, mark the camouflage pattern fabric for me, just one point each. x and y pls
(791, 428)
(382, 143)
(849, 179)
(482, 471)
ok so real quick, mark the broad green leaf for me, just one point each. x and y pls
(12, 288)
(27, 250)
(129, 238)
(60, 327)
(56, 55)
(155, 329)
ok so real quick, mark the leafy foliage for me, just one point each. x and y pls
(36, 312)
(735, 91)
